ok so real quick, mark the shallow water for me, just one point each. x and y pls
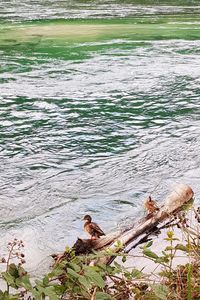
(94, 123)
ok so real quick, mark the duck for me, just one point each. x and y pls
(151, 205)
(92, 228)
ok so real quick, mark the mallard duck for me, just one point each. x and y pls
(92, 228)
(150, 205)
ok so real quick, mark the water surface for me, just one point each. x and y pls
(94, 121)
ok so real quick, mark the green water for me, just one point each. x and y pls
(99, 105)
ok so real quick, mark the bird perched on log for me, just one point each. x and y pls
(150, 205)
(92, 228)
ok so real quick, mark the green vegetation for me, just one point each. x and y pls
(75, 277)
(79, 39)
(74, 31)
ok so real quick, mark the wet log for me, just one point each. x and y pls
(174, 202)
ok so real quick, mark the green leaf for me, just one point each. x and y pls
(50, 292)
(68, 249)
(118, 268)
(171, 239)
(118, 244)
(162, 259)
(110, 270)
(37, 295)
(136, 273)
(123, 258)
(84, 282)
(187, 206)
(72, 273)
(46, 280)
(167, 239)
(95, 278)
(161, 291)
(103, 296)
(24, 282)
(9, 279)
(6, 296)
(75, 267)
(21, 271)
(181, 247)
(165, 253)
(165, 273)
(149, 244)
(39, 283)
(102, 266)
(169, 248)
(59, 289)
(150, 253)
(13, 270)
(56, 272)
(40, 288)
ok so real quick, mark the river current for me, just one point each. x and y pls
(94, 127)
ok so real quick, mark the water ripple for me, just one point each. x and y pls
(95, 136)
(50, 9)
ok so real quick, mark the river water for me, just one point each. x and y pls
(95, 114)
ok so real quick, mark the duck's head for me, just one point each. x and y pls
(87, 218)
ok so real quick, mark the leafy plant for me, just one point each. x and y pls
(74, 277)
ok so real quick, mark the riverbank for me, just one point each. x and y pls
(97, 124)
(163, 268)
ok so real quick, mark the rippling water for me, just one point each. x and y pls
(92, 127)
(51, 9)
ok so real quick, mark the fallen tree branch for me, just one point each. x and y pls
(118, 240)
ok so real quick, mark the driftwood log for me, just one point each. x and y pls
(174, 202)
